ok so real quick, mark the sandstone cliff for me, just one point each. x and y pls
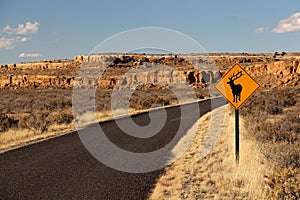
(37, 65)
(193, 69)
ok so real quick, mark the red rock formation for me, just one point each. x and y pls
(180, 70)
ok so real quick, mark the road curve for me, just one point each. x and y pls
(61, 168)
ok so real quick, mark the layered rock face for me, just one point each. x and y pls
(197, 69)
(163, 77)
(125, 71)
(36, 81)
(283, 72)
(279, 68)
(36, 65)
(42, 74)
(158, 69)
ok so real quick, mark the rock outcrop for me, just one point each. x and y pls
(195, 70)
(36, 81)
(279, 68)
(37, 65)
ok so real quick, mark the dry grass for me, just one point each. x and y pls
(215, 176)
(19, 137)
(269, 165)
(277, 134)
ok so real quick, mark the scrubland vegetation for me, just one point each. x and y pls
(31, 114)
(269, 154)
(273, 120)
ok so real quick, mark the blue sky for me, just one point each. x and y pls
(35, 30)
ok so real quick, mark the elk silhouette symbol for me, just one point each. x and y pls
(236, 89)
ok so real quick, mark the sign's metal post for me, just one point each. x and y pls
(237, 137)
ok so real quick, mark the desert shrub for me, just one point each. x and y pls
(289, 102)
(64, 117)
(162, 101)
(6, 122)
(65, 102)
(271, 102)
(287, 97)
(278, 137)
(38, 121)
(293, 122)
(282, 154)
(147, 103)
(282, 185)
(258, 114)
(276, 54)
(271, 132)
(147, 96)
(273, 108)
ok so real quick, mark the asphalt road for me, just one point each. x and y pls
(62, 168)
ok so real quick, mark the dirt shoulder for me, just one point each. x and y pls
(215, 176)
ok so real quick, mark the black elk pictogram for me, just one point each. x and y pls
(236, 89)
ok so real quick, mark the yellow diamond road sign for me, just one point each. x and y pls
(237, 86)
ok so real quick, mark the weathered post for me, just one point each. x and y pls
(237, 137)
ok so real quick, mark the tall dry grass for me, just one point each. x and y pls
(275, 124)
(269, 155)
(215, 176)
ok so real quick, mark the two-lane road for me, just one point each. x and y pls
(62, 168)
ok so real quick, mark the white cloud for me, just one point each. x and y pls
(9, 43)
(290, 24)
(22, 29)
(260, 29)
(29, 55)
(27, 28)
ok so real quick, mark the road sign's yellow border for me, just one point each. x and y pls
(221, 80)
